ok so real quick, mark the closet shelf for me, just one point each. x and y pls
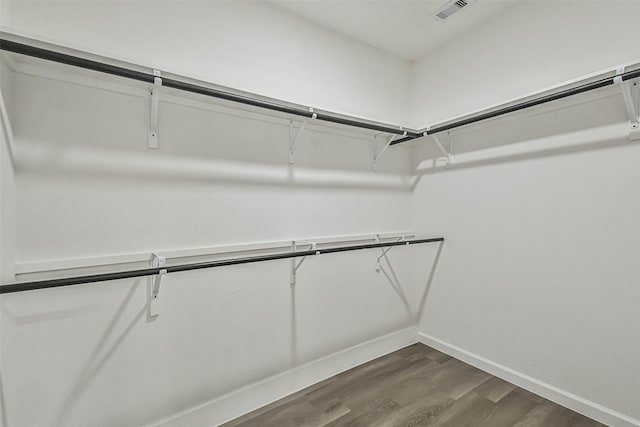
(155, 271)
(79, 59)
(539, 100)
(25, 46)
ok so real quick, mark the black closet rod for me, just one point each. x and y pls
(77, 280)
(608, 81)
(76, 61)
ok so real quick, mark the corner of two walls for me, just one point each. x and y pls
(537, 280)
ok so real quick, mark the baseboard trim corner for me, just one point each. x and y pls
(562, 397)
(261, 393)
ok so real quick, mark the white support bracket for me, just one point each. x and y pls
(294, 137)
(157, 261)
(377, 156)
(630, 94)
(153, 110)
(295, 264)
(385, 250)
(445, 153)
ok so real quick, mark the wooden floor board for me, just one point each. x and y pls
(412, 387)
(466, 411)
(494, 389)
(537, 416)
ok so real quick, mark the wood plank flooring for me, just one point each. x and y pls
(412, 387)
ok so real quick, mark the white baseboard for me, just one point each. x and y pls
(261, 393)
(256, 395)
(562, 397)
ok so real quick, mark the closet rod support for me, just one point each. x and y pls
(445, 153)
(160, 262)
(377, 156)
(384, 251)
(295, 264)
(153, 110)
(630, 94)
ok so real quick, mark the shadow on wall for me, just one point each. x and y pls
(99, 163)
(95, 363)
(384, 266)
(392, 278)
(592, 139)
(99, 356)
(568, 129)
(94, 133)
(429, 281)
(3, 404)
(572, 125)
(394, 282)
(125, 318)
(114, 119)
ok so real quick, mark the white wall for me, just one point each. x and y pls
(539, 273)
(249, 45)
(5, 13)
(88, 186)
(7, 182)
(533, 45)
(7, 208)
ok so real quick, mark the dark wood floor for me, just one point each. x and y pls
(415, 386)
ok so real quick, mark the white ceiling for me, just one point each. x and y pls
(402, 27)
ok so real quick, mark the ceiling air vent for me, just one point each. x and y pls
(451, 8)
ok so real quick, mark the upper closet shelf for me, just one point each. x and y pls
(625, 77)
(60, 54)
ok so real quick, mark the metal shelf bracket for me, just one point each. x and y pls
(447, 154)
(630, 94)
(377, 156)
(157, 261)
(385, 250)
(295, 264)
(294, 137)
(153, 110)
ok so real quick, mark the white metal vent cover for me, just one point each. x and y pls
(450, 8)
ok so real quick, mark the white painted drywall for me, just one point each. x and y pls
(87, 185)
(7, 209)
(539, 272)
(5, 13)
(559, 307)
(249, 45)
(533, 45)
(7, 183)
